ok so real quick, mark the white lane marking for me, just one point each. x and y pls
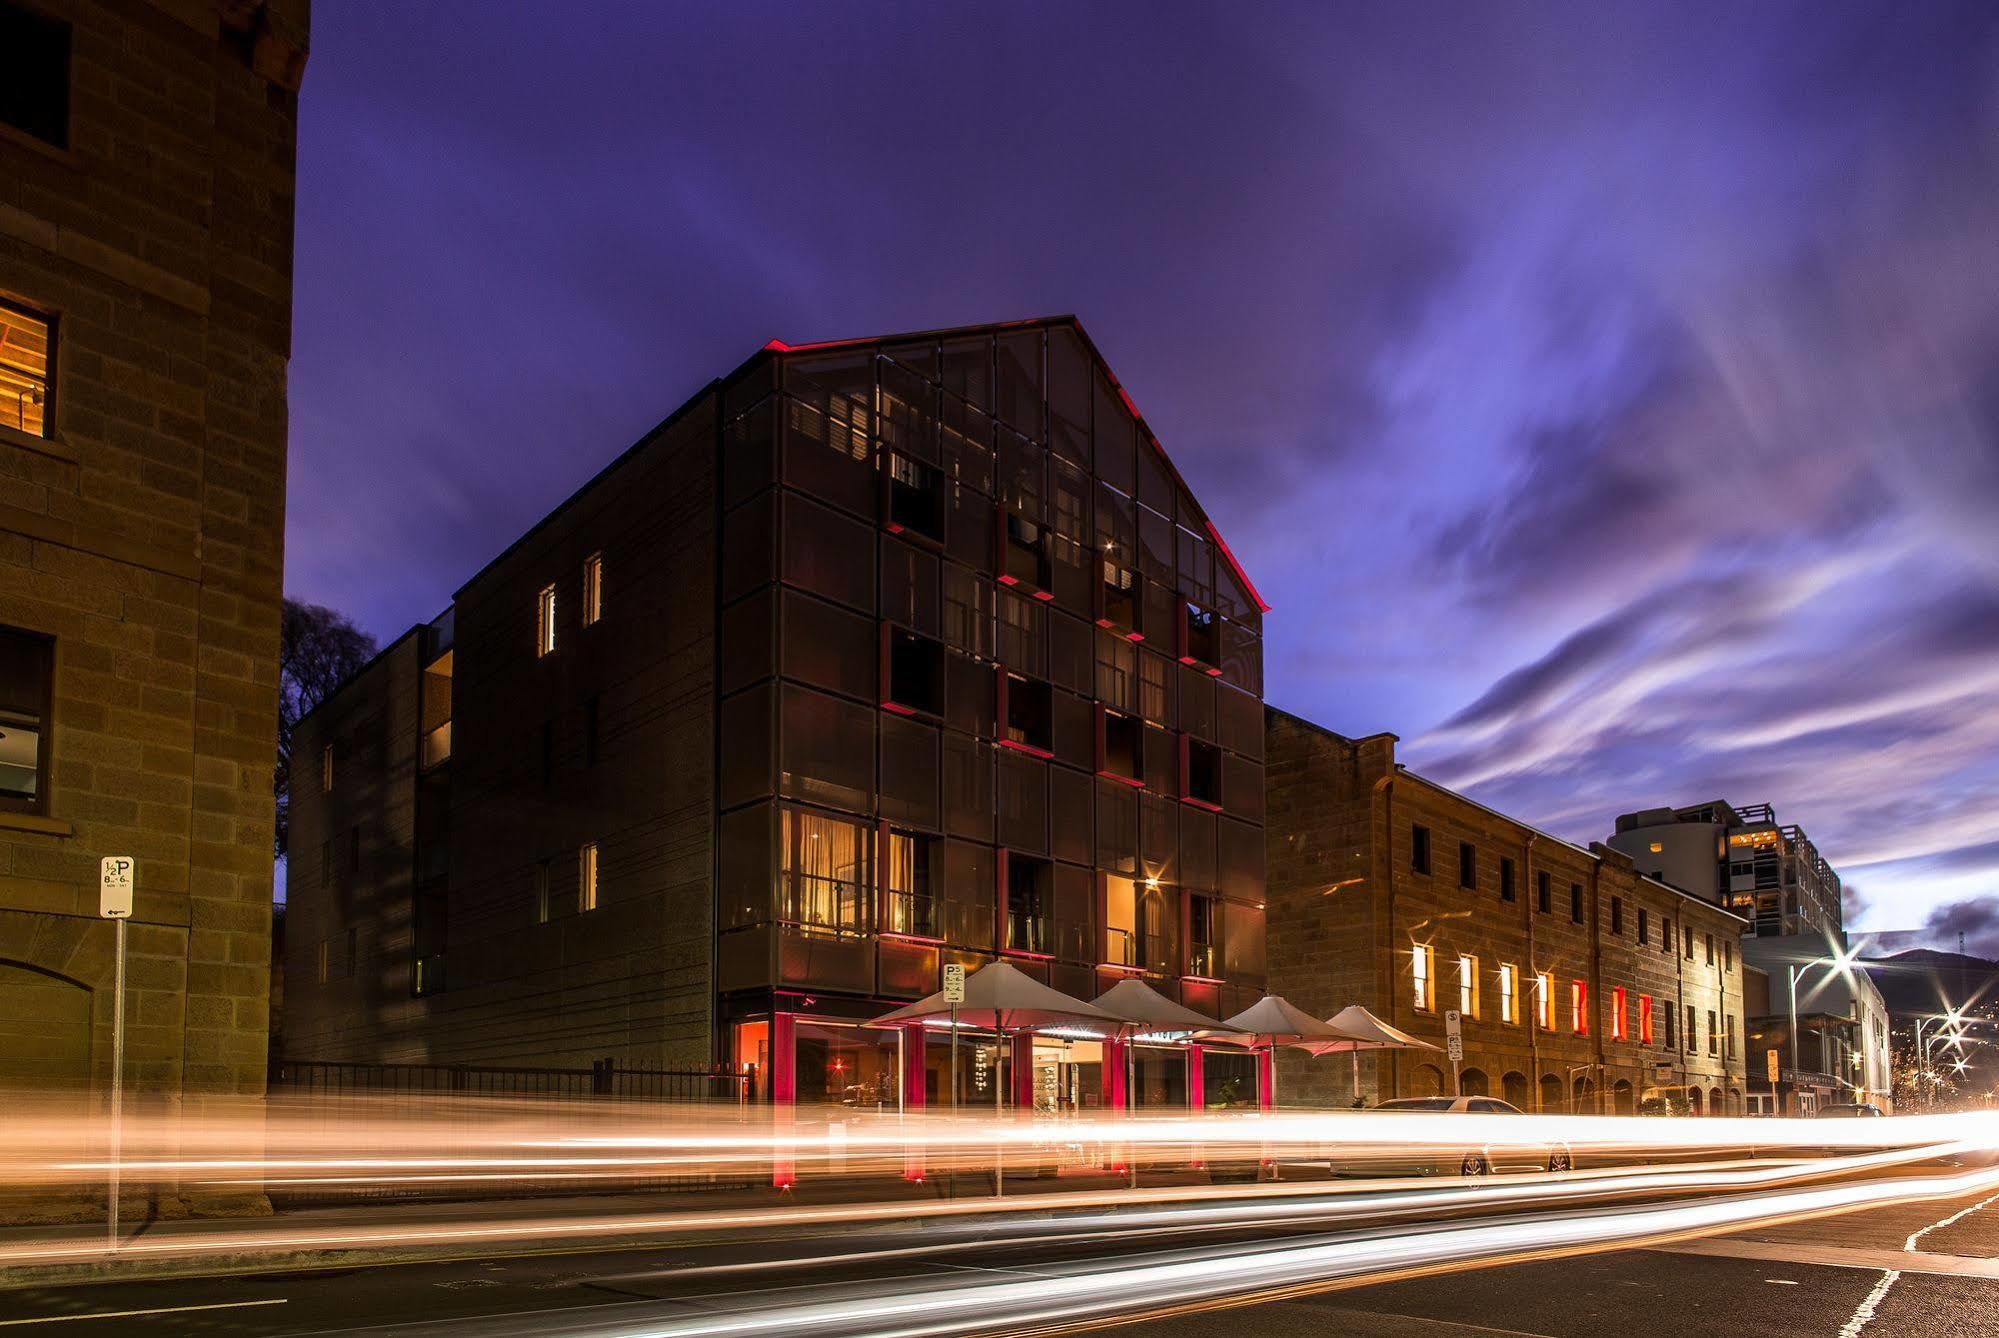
(1780, 1282)
(1865, 1313)
(1910, 1243)
(129, 1314)
(1866, 1310)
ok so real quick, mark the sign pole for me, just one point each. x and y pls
(114, 903)
(1454, 1044)
(954, 994)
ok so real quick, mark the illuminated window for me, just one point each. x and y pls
(1544, 1000)
(1579, 1007)
(544, 621)
(24, 370)
(1617, 1013)
(1468, 985)
(593, 588)
(906, 866)
(1657, 848)
(1509, 1002)
(822, 885)
(326, 769)
(1423, 963)
(586, 877)
(1645, 1019)
(27, 675)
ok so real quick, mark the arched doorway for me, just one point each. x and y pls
(1621, 1098)
(44, 1031)
(1551, 1093)
(1471, 1082)
(1428, 1080)
(1514, 1087)
(1693, 1101)
(1735, 1099)
(1715, 1102)
(1584, 1094)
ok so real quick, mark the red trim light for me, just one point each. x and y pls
(1044, 594)
(893, 526)
(1199, 803)
(1188, 659)
(1214, 673)
(1005, 579)
(1123, 780)
(1120, 966)
(1222, 545)
(1027, 748)
(1104, 622)
(1023, 952)
(1134, 636)
(908, 938)
(898, 708)
(1205, 980)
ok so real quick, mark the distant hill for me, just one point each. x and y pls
(1925, 980)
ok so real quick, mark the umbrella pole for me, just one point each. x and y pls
(1355, 1053)
(1000, 1058)
(1130, 1086)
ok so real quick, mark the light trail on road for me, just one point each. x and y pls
(1083, 1294)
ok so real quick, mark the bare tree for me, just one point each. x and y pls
(318, 650)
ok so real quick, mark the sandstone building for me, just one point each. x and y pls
(874, 656)
(146, 180)
(1583, 985)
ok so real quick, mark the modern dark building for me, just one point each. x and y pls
(874, 656)
(1741, 858)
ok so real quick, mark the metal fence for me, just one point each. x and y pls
(344, 1099)
(605, 1078)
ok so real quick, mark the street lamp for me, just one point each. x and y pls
(1840, 960)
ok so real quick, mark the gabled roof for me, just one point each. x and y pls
(779, 346)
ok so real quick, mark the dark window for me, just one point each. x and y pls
(1026, 553)
(1669, 1013)
(1688, 931)
(908, 860)
(1666, 933)
(915, 498)
(1692, 1035)
(1204, 773)
(26, 341)
(915, 673)
(1617, 915)
(1506, 880)
(1030, 886)
(27, 672)
(1203, 639)
(1710, 952)
(1201, 946)
(1467, 864)
(1124, 745)
(34, 74)
(590, 713)
(354, 852)
(1576, 902)
(1544, 897)
(1727, 956)
(1029, 713)
(1419, 849)
(1643, 937)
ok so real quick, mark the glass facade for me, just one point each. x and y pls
(990, 687)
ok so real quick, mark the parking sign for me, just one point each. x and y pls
(954, 983)
(114, 886)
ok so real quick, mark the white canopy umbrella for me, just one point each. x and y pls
(1274, 1020)
(1005, 999)
(1142, 1009)
(1368, 1032)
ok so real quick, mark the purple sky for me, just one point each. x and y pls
(1606, 397)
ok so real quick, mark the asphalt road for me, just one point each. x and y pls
(1816, 1277)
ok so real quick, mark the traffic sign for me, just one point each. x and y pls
(954, 983)
(1770, 1066)
(114, 886)
(1454, 1036)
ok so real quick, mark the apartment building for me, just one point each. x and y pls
(1582, 985)
(1741, 858)
(874, 656)
(146, 186)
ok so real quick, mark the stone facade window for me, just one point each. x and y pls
(1423, 967)
(1467, 865)
(27, 675)
(544, 621)
(1419, 849)
(586, 877)
(593, 589)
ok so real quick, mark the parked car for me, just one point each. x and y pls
(1439, 1158)
(1850, 1110)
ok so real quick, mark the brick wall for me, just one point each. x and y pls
(145, 532)
(1348, 906)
